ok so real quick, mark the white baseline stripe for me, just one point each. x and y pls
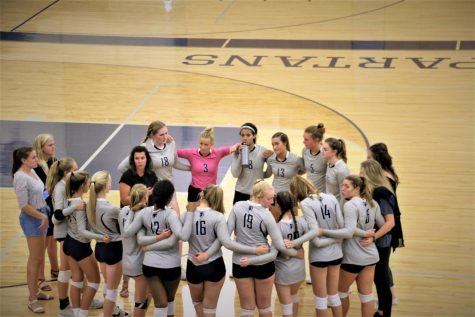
(131, 114)
(11, 244)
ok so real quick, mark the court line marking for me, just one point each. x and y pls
(114, 133)
(34, 15)
(11, 244)
(225, 10)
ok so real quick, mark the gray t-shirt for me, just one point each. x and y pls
(284, 171)
(316, 168)
(28, 190)
(247, 175)
(323, 211)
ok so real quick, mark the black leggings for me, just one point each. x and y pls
(382, 282)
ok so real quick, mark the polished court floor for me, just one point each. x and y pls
(95, 73)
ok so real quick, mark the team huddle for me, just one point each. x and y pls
(350, 222)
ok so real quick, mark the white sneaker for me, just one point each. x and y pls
(96, 304)
(308, 280)
(67, 312)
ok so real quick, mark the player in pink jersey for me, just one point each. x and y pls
(204, 162)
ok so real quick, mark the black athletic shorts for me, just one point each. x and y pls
(170, 274)
(352, 268)
(75, 249)
(193, 193)
(326, 264)
(109, 253)
(259, 272)
(212, 272)
(238, 196)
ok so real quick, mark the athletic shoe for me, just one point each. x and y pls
(96, 304)
(308, 280)
(67, 312)
(119, 312)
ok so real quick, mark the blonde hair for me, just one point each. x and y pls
(153, 128)
(99, 181)
(302, 188)
(260, 188)
(57, 171)
(137, 193)
(208, 133)
(213, 194)
(74, 182)
(38, 144)
(374, 174)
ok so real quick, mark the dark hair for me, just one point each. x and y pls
(284, 138)
(339, 146)
(287, 202)
(316, 131)
(250, 126)
(365, 190)
(19, 154)
(140, 149)
(381, 155)
(162, 193)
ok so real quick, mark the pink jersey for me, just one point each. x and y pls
(204, 169)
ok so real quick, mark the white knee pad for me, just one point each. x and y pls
(197, 303)
(295, 298)
(287, 309)
(334, 300)
(93, 285)
(64, 276)
(171, 308)
(111, 295)
(265, 310)
(366, 298)
(209, 311)
(247, 312)
(321, 302)
(79, 284)
(343, 294)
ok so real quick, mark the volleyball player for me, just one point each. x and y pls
(284, 165)
(251, 222)
(334, 152)
(102, 217)
(315, 164)
(77, 246)
(204, 162)
(248, 174)
(55, 184)
(325, 254)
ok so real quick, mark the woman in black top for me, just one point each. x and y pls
(45, 148)
(140, 172)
